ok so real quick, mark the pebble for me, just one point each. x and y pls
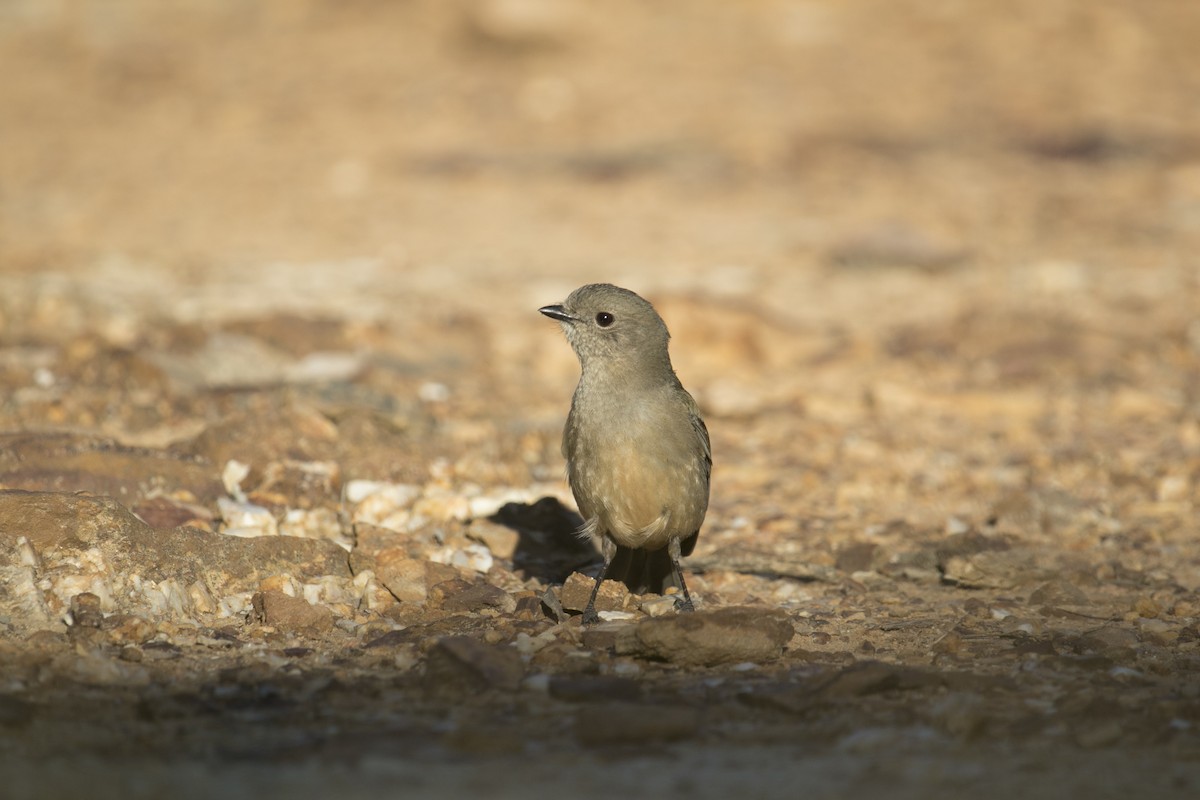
(246, 520)
(613, 595)
(288, 613)
(474, 557)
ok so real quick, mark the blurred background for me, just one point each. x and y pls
(853, 208)
(462, 148)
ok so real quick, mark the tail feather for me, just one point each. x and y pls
(643, 571)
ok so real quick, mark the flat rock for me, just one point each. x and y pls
(68, 462)
(723, 636)
(461, 595)
(55, 546)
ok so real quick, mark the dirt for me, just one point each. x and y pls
(275, 268)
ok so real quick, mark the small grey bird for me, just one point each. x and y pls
(638, 454)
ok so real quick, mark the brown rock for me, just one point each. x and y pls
(501, 540)
(291, 613)
(129, 628)
(461, 595)
(856, 556)
(613, 595)
(85, 611)
(66, 462)
(725, 636)
(403, 576)
(462, 665)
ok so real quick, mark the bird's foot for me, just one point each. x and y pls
(590, 617)
(684, 604)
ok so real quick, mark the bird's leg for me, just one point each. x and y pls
(608, 549)
(674, 552)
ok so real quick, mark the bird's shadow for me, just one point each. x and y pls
(549, 547)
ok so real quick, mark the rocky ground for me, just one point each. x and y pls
(282, 511)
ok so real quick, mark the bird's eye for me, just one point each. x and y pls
(604, 319)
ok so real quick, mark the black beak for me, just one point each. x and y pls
(557, 312)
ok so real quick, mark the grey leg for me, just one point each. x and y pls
(673, 550)
(590, 617)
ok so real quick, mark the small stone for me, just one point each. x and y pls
(129, 629)
(246, 520)
(463, 665)
(528, 606)
(724, 636)
(856, 557)
(1147, 607)
(460, 595)
(273, 607)
(85, 611)
(403, 576)
(578, 588)
(501, 540)
(474, 557)
(658, 606)
(552, 605)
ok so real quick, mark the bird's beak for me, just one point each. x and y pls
(557, 312)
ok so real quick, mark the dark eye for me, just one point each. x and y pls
(604, 319)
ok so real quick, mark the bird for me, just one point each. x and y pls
(639, 458)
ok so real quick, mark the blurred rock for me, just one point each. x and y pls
(722, 636)
(632, 724)
(460, 595)
(461, 665)
(69, 462)
(501, 540)
(404, 577)
(277, 434)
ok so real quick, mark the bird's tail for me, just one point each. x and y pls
(643, 571)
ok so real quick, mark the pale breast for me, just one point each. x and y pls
(642, 481)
